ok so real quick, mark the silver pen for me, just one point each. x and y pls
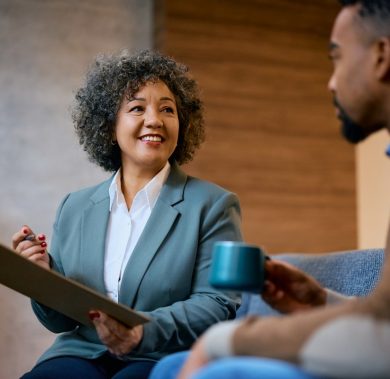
(30, 237)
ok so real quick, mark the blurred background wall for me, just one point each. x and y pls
(373, 188)
(272, 136)
(46, 46)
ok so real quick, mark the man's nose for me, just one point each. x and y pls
(332, 84)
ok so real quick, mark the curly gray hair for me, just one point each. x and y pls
(110, 78)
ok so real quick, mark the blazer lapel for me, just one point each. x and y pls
(156, 229)
(93, 235)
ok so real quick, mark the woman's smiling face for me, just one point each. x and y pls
(147, 128)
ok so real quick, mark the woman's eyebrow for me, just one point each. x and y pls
(168, 98)
(136, 98)
(143, 99)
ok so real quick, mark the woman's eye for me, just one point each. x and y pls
(168, 110)
(136, 108)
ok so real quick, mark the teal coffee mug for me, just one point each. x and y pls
(237, 266)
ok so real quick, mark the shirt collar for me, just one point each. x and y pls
(148, 194)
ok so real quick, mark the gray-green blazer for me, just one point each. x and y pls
(167, 274)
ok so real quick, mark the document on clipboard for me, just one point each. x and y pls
(62, 294)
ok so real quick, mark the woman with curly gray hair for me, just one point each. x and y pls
(143, 237)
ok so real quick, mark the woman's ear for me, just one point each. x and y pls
(382, 67)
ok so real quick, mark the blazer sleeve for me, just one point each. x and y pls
(176, 327)
(54, 321)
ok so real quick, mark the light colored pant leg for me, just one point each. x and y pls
(349, 347)
(169, 367)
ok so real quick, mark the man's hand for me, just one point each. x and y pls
(195, 361)
(288, 289)
(119, 339)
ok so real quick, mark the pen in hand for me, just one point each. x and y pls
(30, 237)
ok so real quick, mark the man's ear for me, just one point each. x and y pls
(382, 67)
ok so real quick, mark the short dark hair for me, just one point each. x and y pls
(110, 78)
(378, 11)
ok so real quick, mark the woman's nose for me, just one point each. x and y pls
(153, 120)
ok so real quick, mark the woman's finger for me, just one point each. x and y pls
(116, 328)
(119, 339)
(20, 235)
(29, 248)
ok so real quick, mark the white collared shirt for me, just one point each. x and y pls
(126, 226)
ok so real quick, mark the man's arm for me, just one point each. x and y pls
(286, 337)
(283, 337)
(272, 337)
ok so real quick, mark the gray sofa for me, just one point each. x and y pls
(348, 272)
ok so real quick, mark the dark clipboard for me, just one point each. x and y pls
(62, 294)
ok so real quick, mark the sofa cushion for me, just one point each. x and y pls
(348, 272)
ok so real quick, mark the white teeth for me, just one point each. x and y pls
(152, 138)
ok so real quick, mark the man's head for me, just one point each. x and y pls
(360, 51)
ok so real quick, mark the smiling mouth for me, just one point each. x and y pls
(152, 138)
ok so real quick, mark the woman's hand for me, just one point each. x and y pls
(289, 289)
(31, 246)
(119, 339)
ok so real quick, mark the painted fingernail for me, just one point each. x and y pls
(43, 244)
(43, 251)
(93, 315)
(25, 231)
(41, 237)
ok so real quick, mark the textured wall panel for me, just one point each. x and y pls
(272, 134)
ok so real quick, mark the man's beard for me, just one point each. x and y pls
(352, 131)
